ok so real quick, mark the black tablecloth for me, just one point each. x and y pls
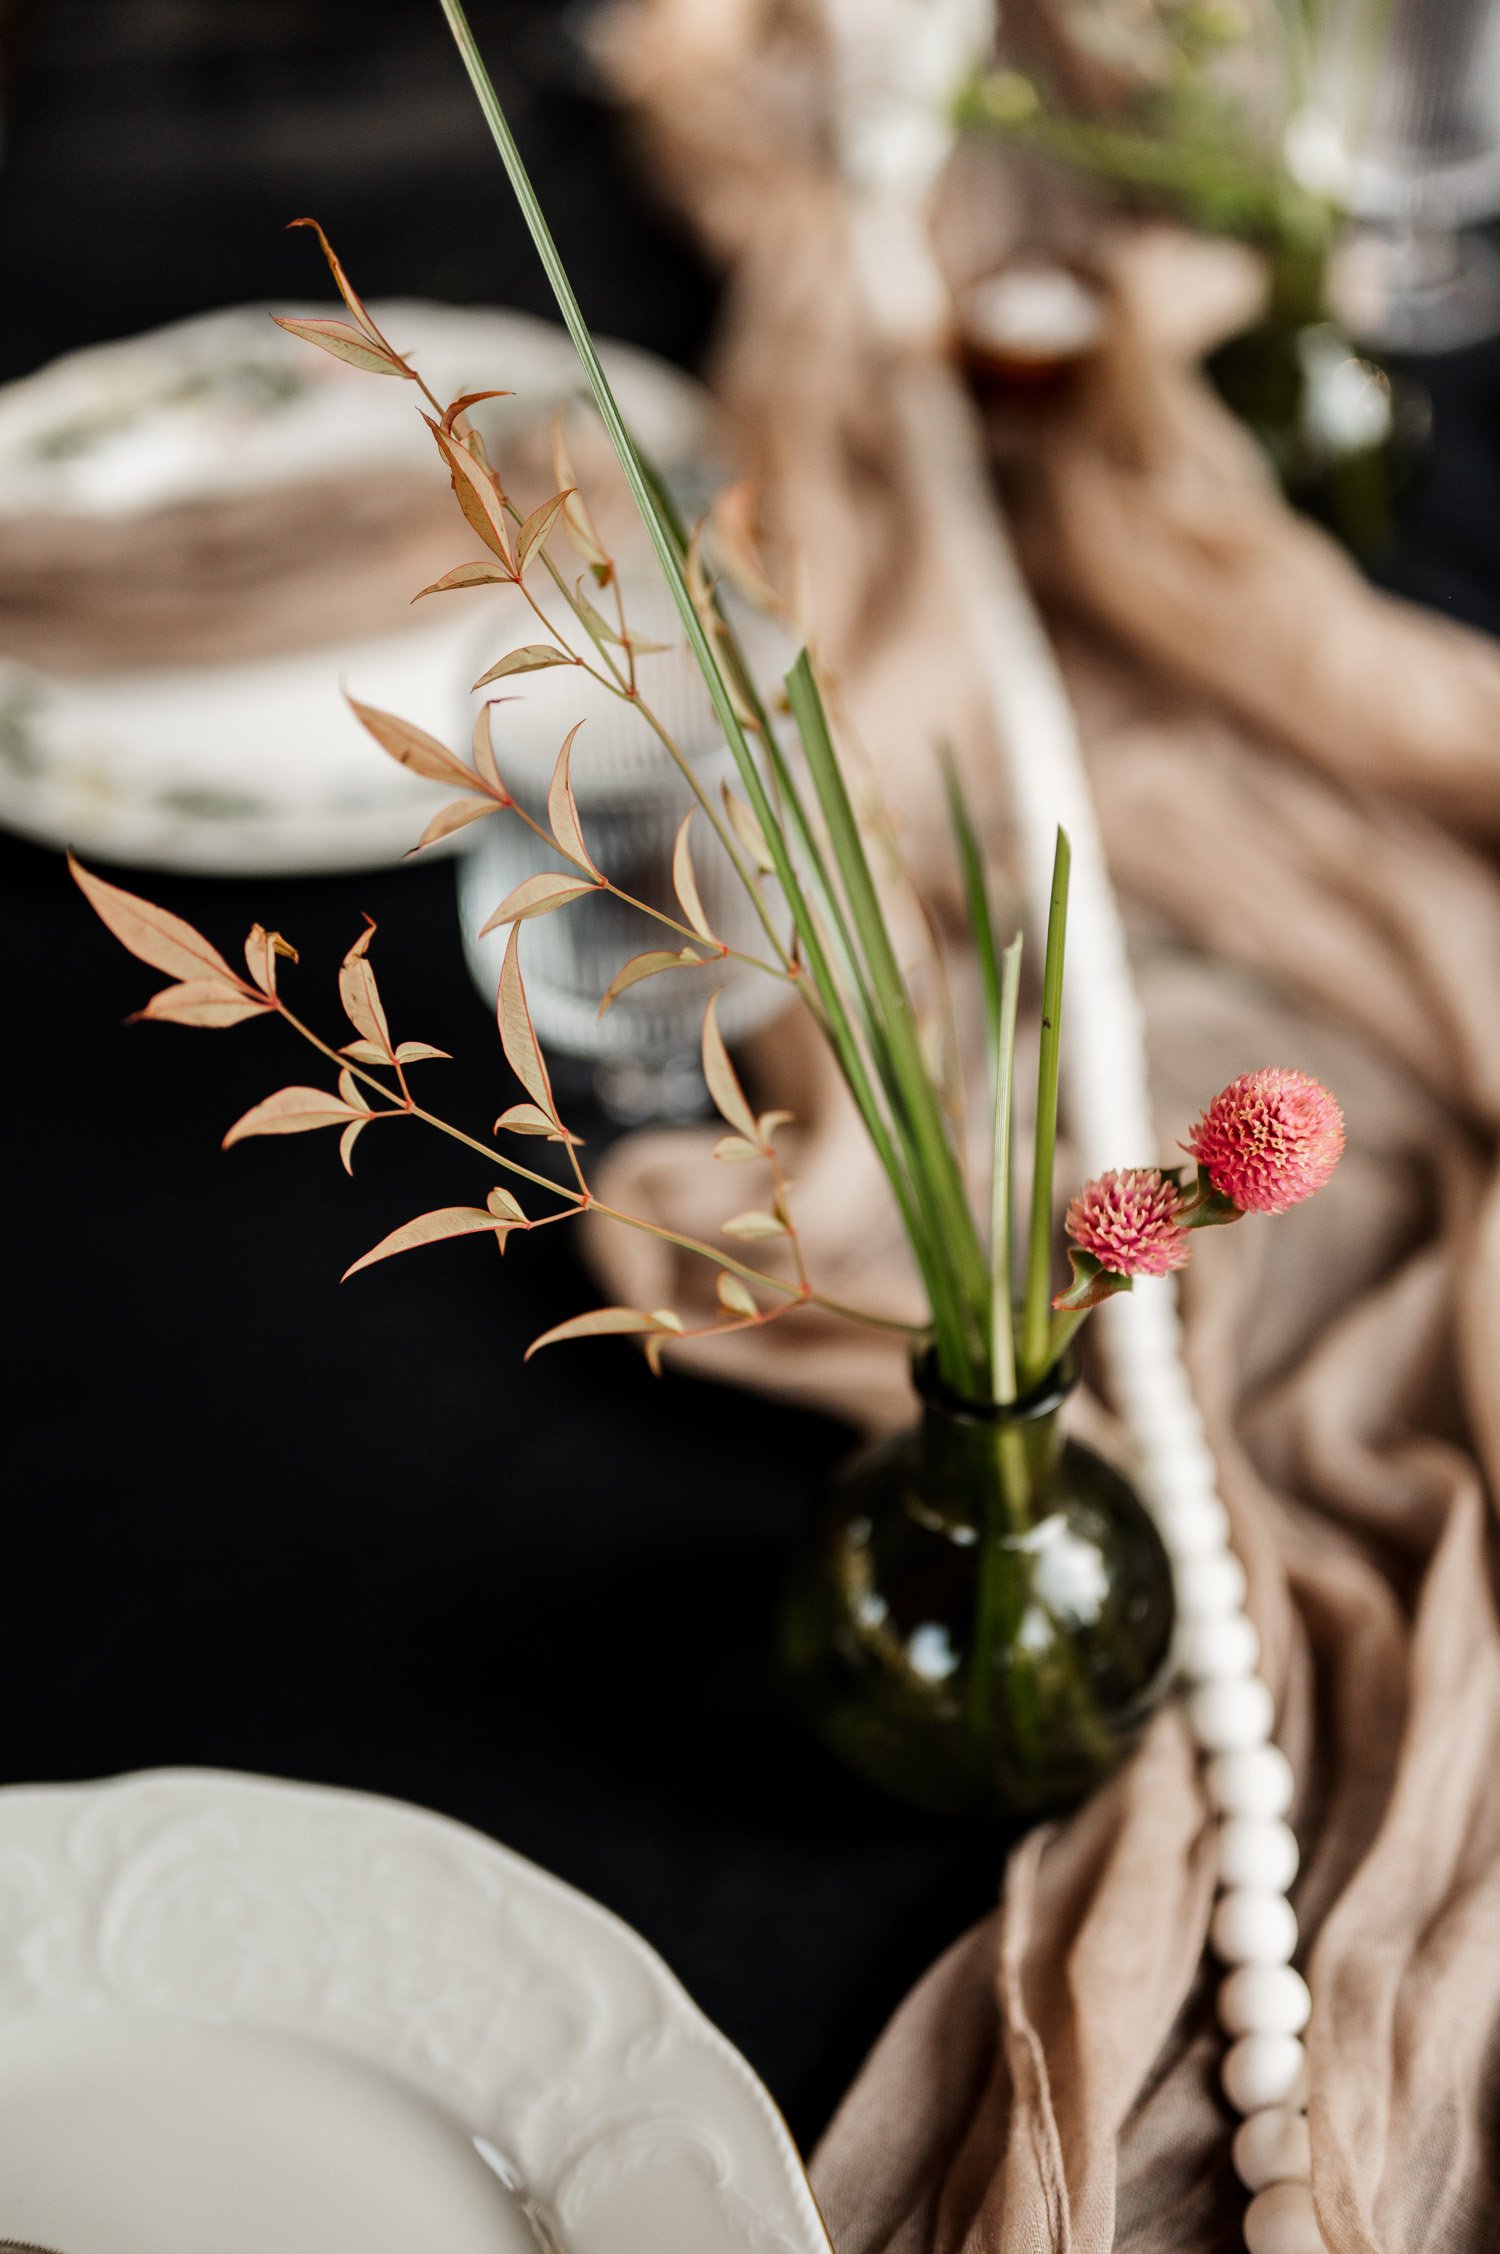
(254, 1520)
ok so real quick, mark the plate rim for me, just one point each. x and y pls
(261, 1785)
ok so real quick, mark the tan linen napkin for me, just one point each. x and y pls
(215, 582)
(1287, 769)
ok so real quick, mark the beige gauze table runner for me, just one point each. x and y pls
(1298, 782)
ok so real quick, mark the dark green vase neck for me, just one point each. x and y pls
(991, 1466)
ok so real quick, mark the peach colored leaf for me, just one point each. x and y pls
(536, 896)
(562, 807)
(420, 1052)
(723, 1080)
(456, 815)
(150, 933)
(461, 406)
(346, 343)
(518, 1034)
(685, 882)
(364, 1052)
(733, 1296)
(749, 1227)
(341, 281)
(291, 1111)
(641, 644)
(648, 965)
(467, 575)
(600, 1322)
(347, 1141)
(430, 1228)
(595, 620)
(411, 746)
(484, 753)
(507, 1208)
(204, 1002)
(733, 1150)
(528, 1119)
(577, 523)
(261, 950)
(769, 1121)
(736, 545)
(352, 1093)
(748, 831)
(478, 493)
(536, 528)
(360, 995)
(531, 659)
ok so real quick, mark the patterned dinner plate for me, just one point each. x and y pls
(238, 2015)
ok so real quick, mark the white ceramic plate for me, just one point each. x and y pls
(259, 768)
(245, 2017)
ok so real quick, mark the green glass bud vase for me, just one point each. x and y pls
(981, 1620)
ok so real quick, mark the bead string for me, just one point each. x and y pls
(1263, 2000)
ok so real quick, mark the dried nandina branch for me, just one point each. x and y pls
(346, 343)
(532, 657)
(685, 885)
(479, 494)
(518, 1035)
(723, 1081)
(607, 1322)
(562, 809)
(649, 965)
(498, 1219)
(156, 937)
(577, 522)
(361, 996)
(291, 1111)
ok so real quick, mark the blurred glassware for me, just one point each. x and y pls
(1402, 127)
(641, 1059)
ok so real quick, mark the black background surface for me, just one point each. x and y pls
(250, 1519)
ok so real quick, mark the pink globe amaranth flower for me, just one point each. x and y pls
(1269, 1139)
(1129, 1222)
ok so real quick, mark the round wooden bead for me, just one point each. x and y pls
(1209, 1586)
(1254, 1928)
(1271, 2147)
(1258, 1852)
(1261, 2070)
(1193, 1524)
(1212, 1648)
(1282, 2220)
(1255, 1780)
(1264, 1999)
(1230, 1715)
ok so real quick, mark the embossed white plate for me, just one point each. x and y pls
(246, 2017)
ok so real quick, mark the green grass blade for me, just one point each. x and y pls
(1036, 1322)
(1002, 1255)
(977, 895)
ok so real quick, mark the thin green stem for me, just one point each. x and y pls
(1036, 1319)
(935, 1168)
(1002, 1270)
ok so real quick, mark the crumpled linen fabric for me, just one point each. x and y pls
(1296, 780)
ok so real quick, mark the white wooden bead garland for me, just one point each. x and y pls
(1263, 2002)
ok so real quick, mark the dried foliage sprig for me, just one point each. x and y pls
(800, 852)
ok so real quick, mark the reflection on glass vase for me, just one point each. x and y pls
(981, 1622)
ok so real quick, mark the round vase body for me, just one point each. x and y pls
(981, 1620)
